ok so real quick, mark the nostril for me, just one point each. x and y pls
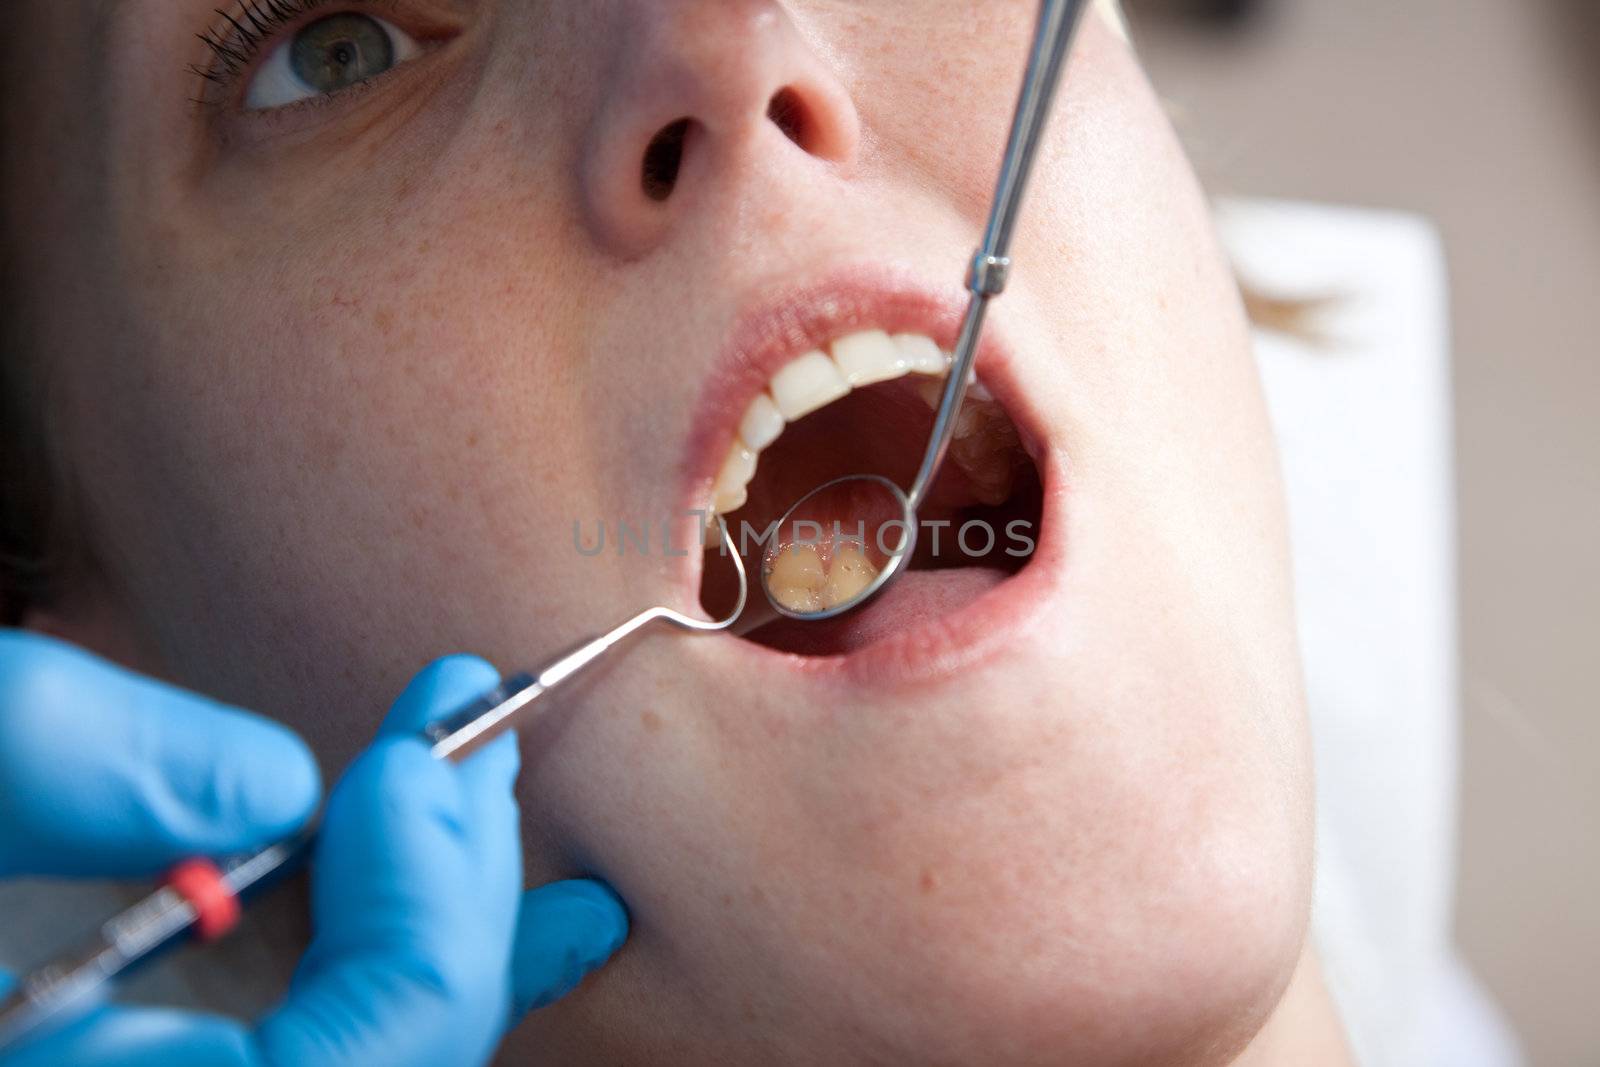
(663, 158)
(788, 112)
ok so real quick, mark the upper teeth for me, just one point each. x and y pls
(812, 381)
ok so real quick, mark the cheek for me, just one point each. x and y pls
(342, 456)
(931, 108)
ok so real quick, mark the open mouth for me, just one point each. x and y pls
(864, 404)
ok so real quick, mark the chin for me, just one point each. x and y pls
(1030, 863)
(931, 941)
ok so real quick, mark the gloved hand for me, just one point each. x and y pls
(425, 948)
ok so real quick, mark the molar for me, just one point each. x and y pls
(802, 582)
(796, 577)
(849, 574)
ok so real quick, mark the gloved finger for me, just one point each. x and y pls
(141, 1037)
(441, 689)
(415, 889)
(106, 772)
(414, 903)
(565, 931)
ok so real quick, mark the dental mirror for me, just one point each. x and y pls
(845, 541)
(837, 546)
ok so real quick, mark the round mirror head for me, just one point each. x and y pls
(838, 547)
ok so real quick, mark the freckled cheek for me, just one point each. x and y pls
(351, 414)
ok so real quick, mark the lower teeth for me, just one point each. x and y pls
(803, 581)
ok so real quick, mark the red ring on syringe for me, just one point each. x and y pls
(202, 884)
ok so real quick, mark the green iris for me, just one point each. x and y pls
(337, 52)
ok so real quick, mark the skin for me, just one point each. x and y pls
(329, 388)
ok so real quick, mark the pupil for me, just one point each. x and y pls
(339, 51)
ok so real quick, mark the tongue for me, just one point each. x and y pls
(912, 598)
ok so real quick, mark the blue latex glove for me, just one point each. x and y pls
(425, 949)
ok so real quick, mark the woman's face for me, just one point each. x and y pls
(335, 381)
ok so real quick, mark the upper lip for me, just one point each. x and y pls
(809, 315)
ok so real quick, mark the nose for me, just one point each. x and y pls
(699, 92)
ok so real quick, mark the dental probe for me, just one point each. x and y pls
(203, 897)
(987, 274)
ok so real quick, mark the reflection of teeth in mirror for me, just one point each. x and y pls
(811, 382)
(795, 576)
(802, 581)
(849, 574)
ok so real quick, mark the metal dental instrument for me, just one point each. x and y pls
(986, 279)
(203, 897)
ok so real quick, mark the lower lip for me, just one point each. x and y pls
(892, 651)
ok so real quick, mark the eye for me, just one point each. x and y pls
(326, 56)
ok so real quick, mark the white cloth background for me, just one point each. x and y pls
(1364, 425)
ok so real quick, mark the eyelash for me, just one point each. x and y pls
(236, 40)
